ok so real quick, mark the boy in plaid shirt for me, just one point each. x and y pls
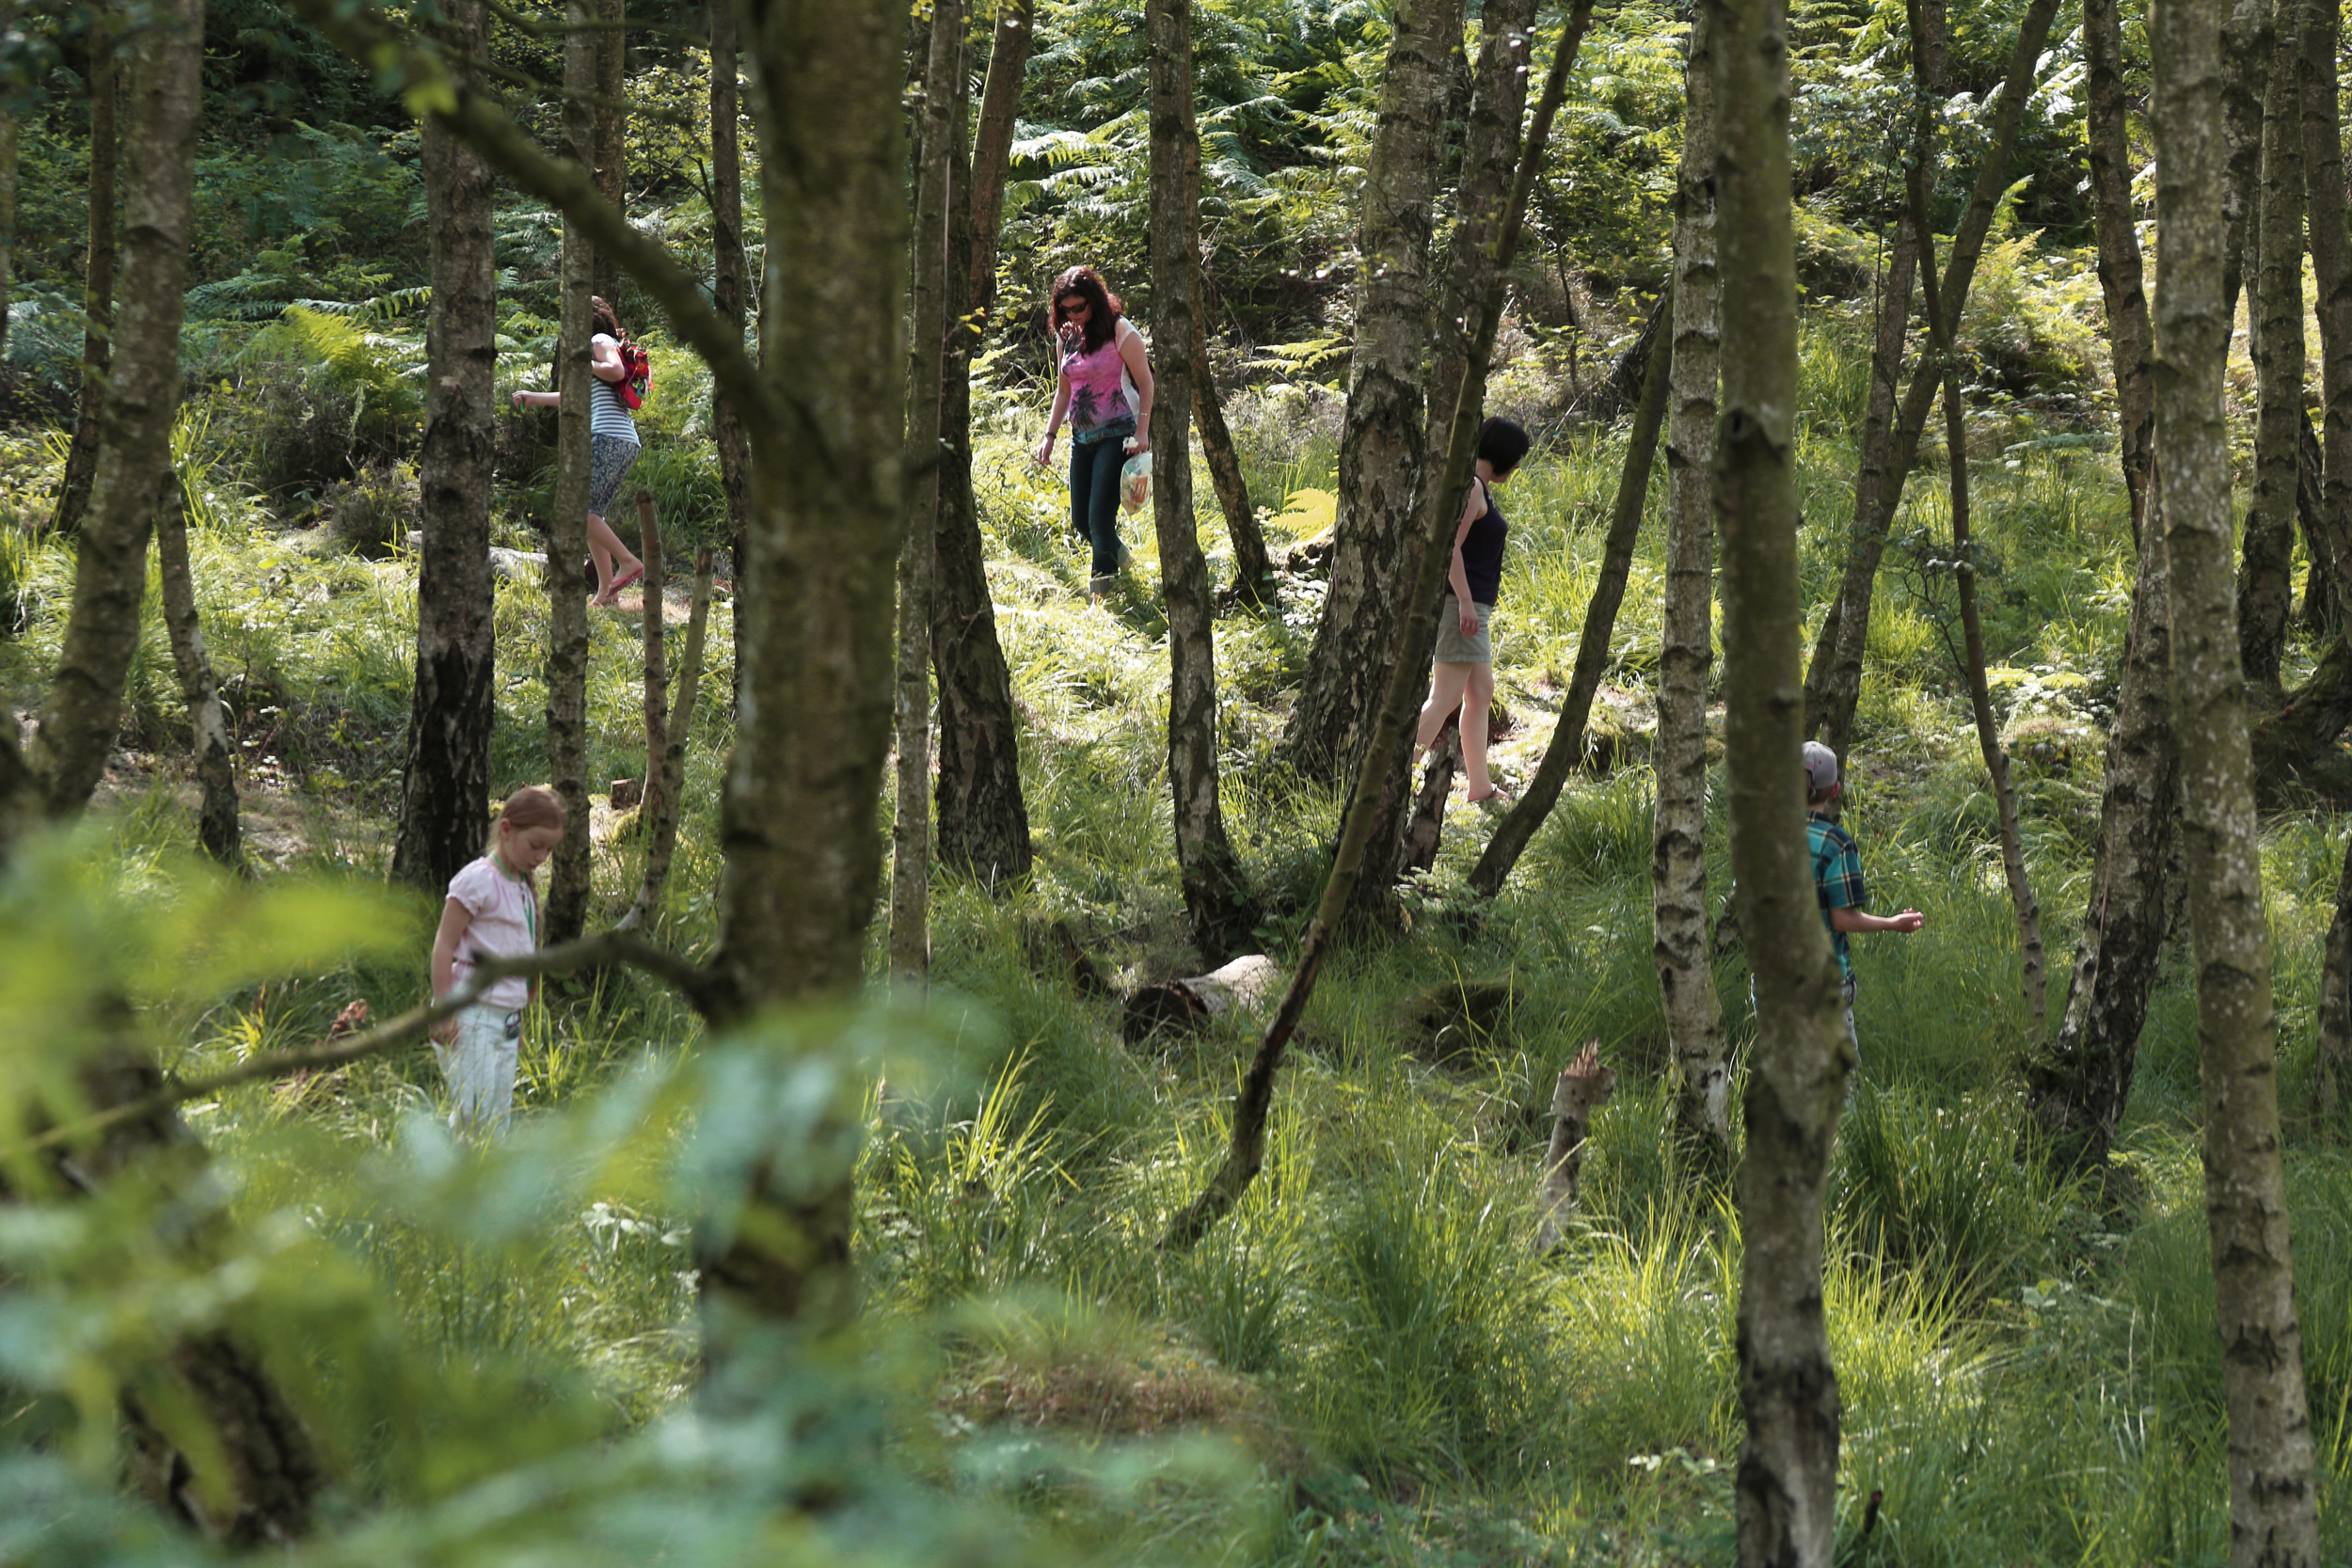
(1837, 874)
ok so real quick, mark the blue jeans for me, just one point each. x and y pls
(1094, 494)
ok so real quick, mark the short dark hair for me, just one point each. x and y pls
(1502, 444)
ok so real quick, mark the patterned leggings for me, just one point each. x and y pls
(609, 460)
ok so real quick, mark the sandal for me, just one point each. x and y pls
(624, 579)
(1494, 792)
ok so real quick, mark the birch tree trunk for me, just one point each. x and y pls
(610, 158)
(1785, 1486)
(2078, 1084)
(2266, 592)
(97, 279)
(2332, 275)
(569, 873)
(1566, 748)
(1840, 688)
(445, 776)
(1686, 651)
(2272, 1516)
(1214, 894)
(911, 833)
(1253, 568)
(670, 767)
(2247, 45)
(1383, 445)
(216, 825)
(9, 136)
(140, 402)
(726, 289)
(982, 815)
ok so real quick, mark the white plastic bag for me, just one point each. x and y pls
(1135, 481)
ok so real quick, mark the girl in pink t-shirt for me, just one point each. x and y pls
(1104, 389)
(492, 910)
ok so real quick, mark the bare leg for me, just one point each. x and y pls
(610, 554)
(1445, 694)
(1478, 694)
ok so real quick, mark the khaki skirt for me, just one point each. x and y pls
(1453, 647)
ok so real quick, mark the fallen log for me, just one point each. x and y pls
(1189, 1006)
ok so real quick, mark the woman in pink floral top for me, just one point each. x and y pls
(1104, 391)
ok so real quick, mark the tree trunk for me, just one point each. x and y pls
(2266, 590)
(911, 833)
(2332, 277)
(1245, 1152)
(983, 820)
(2332, 1081)
(98, 282)
(1511, 836)
(652, 799)
(1425, 829)
(1253, 568)
(1214, 894)
(1498, 101)
(612, 133)
(1686, 981)
(2120, 284)
(804, 860)
(1578, 1094)
(661, 825)
(727, 282)
(216, 825)
(1787, 1389)
(2078, 1084)
(2272, 1516)
(2247, 45)
(7, 221)
(141, 400)
(445, 776)
(2021, 896)
(1383, 442)
(1840, 688)
(569, 877)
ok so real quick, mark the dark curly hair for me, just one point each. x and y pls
(1102, 319)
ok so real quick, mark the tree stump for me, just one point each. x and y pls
(1583, 1087)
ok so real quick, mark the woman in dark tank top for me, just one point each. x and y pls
(1463, 674)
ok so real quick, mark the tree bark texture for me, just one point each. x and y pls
(612, 133)
(911, 833)
(727, 288)
(9, 142)
(1841, 688)
(1786, 1483)
(1253, 568)
(2266, 590)
(668, 768)
(1519, 826)
(1498, 99)
(141, 400)
(570, 872)
(445, 776)
(2332, 1081)
(652, 799)
(97, 279)
(982, 815)
(2332, 277)
(216, 825)
(2273, 1518)
(992, 149)
(2121, 286)
(1245, 1153)
(1686, 651)
(1383, 443)
(2247, 45)
(1215, 896)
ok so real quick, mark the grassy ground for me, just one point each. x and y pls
(1368, 1363)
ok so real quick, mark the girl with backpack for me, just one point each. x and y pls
(620, 370)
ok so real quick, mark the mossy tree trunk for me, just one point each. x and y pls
(98, 279)
(984, 817)
(1383, 443)
(1215, 896)
(216, 825)
(911, 833)
(1686, 651)
(569, 872)
(1839, 689)
(445, 775)
(1519, 826)
(612, 133)
(2078, 1084)
(2273, 1518)
(1788, 1474)
(141, 400)
(726, 293)
(2265, 589)
(2247, 45)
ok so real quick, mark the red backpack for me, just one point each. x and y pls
(636, 376)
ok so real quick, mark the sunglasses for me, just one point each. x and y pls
(1074, 304)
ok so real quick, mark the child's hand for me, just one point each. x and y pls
(1907, 922)
(445, 1032)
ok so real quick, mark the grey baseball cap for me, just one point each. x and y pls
(1821, 766)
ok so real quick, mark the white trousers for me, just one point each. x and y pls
(480, 1066)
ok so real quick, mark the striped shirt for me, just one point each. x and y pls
(606, 415)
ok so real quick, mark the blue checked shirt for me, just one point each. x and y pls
(1836, 879)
